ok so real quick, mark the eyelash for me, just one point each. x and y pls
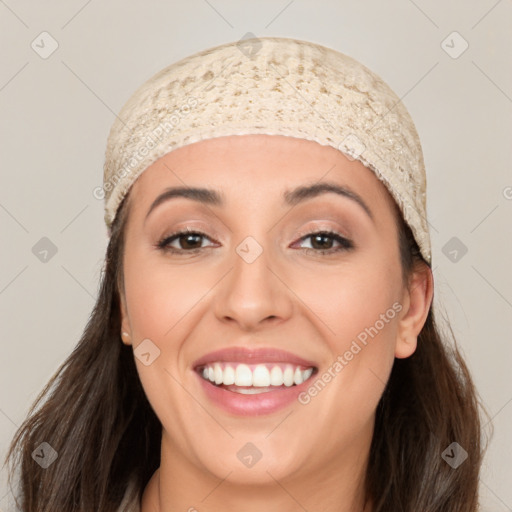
(345, 243)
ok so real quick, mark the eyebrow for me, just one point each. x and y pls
(290, 197)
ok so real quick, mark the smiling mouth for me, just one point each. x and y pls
(250, 379)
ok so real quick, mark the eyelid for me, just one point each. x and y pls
(321, 227)
(207, 230)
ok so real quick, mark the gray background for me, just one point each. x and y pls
(56, 113)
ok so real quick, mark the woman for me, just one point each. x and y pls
(264, 337)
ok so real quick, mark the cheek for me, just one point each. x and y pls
(367, 317)
(159, 296)
(349, 301)
(357, 311)
(158, 300)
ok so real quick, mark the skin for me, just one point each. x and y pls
(314, 456)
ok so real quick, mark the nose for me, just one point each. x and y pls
(253, 294)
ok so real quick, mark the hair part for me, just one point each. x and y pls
(95, 414)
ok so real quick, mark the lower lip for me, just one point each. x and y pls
(252, 405)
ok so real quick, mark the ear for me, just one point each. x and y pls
(126, 333)
(416, 304)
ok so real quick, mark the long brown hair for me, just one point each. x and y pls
(95, 415)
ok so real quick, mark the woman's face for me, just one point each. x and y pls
(255, 278)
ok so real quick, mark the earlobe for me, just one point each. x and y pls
(405, 347)
(125, 325)
(417, 305)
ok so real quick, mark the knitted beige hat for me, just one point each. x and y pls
(275, 86)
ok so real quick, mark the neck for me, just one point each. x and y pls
(335, 486)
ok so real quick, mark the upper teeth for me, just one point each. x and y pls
(260, 375)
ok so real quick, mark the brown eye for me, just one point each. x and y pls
(322, 242)
(187, 241)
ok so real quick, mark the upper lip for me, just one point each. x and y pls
(252, 356)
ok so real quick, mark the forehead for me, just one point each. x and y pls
(257, 168)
